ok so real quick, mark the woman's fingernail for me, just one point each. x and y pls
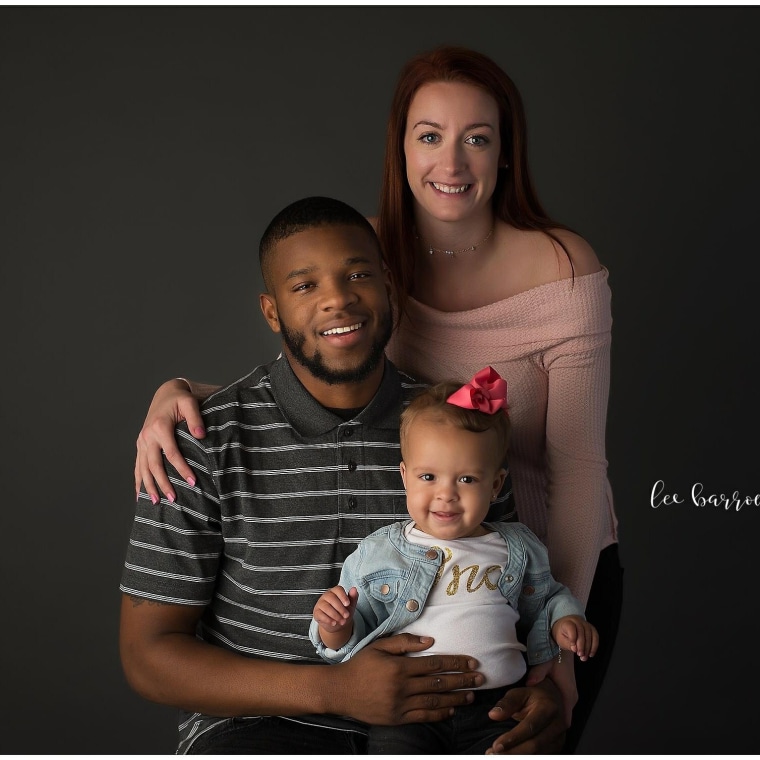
(153, 499)
(170, 496)
(191, 481)
(199, 431)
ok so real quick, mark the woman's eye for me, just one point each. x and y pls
(358, 275)
(428, 138)
(477, 140)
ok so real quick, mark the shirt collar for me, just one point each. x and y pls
(310, 419)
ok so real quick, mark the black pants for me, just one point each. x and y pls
(468, 732)
(277, 736)
(603, 610)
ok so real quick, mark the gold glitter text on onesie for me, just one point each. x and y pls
(457, 573)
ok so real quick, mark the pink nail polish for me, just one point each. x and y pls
(199, 431)
(170, 496)
(153, 499)
(191, 481)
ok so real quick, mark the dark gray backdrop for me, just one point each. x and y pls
(142, 152)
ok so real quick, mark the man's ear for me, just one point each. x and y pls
(402, 467)
(269, 310)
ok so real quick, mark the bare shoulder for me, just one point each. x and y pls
(584, 260)
(537, 258)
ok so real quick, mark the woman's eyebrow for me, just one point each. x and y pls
(435, 125)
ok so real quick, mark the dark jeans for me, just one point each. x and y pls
(277, 736)
(468, 732)
(603, 610)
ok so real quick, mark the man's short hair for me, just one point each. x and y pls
(307, 213)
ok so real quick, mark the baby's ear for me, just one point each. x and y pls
(402, 467)
(498, 482)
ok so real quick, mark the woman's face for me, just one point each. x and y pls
(452, 149)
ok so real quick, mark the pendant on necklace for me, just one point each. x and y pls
(432, 249)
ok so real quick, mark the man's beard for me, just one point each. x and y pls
(295, 340)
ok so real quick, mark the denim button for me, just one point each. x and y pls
(431, 554)
(412, 605)
(528, 590)
(385, 589)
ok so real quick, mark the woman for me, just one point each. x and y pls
(485, 277)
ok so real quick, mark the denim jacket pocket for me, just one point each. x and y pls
(382, 590)
(384, 587)
(535, 588)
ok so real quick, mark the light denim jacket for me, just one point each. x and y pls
(394, 578)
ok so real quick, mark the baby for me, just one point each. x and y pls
(477, 588)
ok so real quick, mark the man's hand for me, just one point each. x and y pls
(541, 727)
(380, 687)
(562, 672)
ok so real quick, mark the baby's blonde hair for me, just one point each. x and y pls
(431, 403)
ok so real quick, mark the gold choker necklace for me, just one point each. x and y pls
(431, 249)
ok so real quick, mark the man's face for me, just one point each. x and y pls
(330, 302)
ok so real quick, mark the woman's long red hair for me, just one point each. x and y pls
(514, 199)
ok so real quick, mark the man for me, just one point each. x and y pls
(299, 463)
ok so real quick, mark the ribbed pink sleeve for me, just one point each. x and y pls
(552, 344)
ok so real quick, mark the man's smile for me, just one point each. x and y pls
(343, 330)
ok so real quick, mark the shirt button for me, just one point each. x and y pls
(510, 578)
(412, 605)
(431, 554)
(352, 502)
(352, 466)
(348, 432)
(385, 589)
(528, 590)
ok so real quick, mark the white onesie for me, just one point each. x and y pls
(465, 612)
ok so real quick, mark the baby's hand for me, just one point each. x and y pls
(576, 634)
(335, 608)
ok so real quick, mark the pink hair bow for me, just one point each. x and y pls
(486, 392)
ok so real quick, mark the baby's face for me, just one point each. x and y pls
(450, 478)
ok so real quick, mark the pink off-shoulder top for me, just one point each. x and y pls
(552, 345)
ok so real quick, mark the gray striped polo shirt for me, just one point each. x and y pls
(285, 490)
